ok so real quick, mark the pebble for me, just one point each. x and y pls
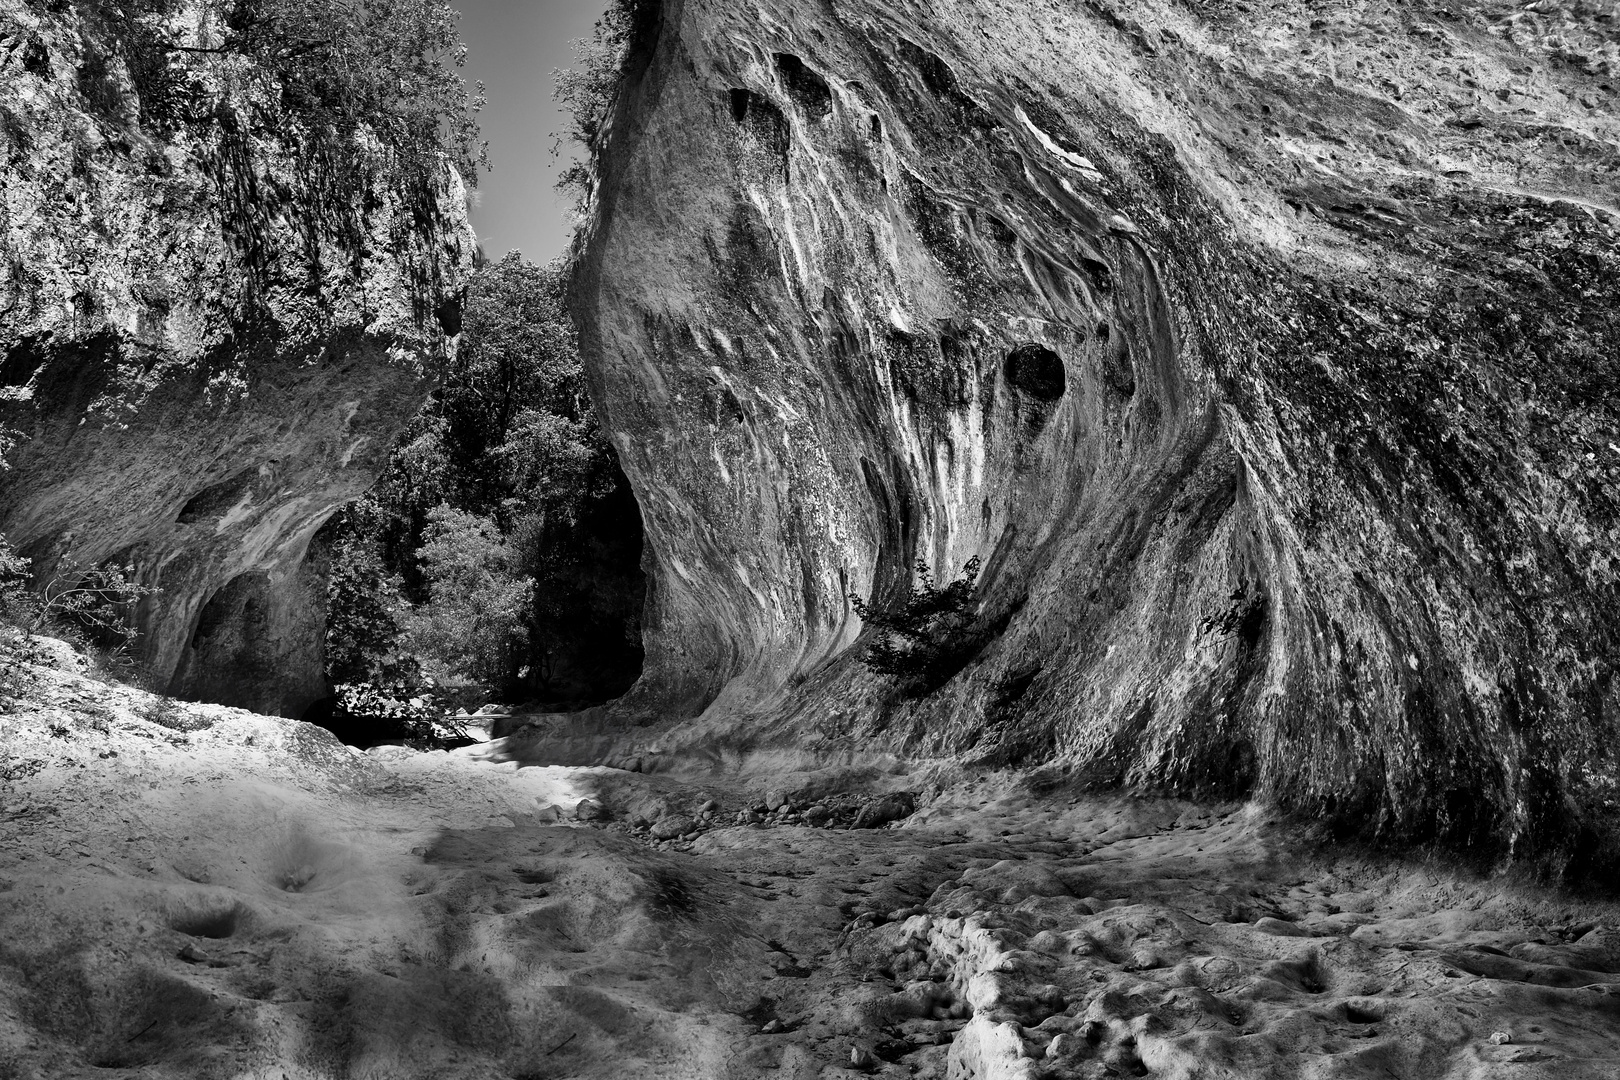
(192, 955)
(1501, 1038)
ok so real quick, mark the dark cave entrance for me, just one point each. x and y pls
(584, 629)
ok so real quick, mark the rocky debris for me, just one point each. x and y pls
(673, 827)
(995, 935)
(891, 807)
(42, 650)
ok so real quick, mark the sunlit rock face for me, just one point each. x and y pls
(1267, 358)
(217, 361)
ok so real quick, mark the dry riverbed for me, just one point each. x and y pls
(194, 891)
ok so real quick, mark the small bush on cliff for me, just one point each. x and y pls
(926, 636)
(586, 90)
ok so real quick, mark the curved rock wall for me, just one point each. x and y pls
(216, 359)
(1266, 359)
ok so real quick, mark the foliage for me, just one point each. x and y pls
(925, 636)
(316, 102)
(509, 442)
(473, 628)
(74, 598)
(94, 599)
(586, 91)
(10, 436)
(396, 712)
(16, 604)
(334, 68)
(363, 605)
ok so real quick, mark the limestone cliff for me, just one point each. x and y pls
(218, 353)
(1265, 353)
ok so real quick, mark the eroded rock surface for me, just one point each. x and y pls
(1264, 353)
(217, 359)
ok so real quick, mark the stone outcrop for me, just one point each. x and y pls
(1265, 356)
(217, 358)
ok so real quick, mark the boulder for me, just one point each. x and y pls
(887, 808)
(671, 826)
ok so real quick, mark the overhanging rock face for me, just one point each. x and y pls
(1270, 370)
(217, 359)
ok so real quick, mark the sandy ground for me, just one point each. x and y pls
(193, 891)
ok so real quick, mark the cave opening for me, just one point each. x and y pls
(1037, 371)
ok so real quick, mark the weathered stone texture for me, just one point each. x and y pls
(1265, 356)
(216, 362)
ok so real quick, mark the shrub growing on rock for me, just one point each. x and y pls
(924, 637)
(585, 91)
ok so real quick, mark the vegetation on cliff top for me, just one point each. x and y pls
(303, 113)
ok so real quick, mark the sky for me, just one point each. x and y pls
(513, 46)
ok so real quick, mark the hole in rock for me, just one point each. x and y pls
(212, 502)
(1363, 1012)
(807, 88)
(448, 315)
(1037, 371)
(739, 105)
(216, 923)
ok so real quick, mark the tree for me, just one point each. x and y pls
(927, 635)
(473, 629)
(508, 441)
(73, 600)
(586, 90)
(364, 606)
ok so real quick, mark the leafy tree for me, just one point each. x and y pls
(509, 442)
(93, 599)
(924, 637)
(364, 606)
(473, 629)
